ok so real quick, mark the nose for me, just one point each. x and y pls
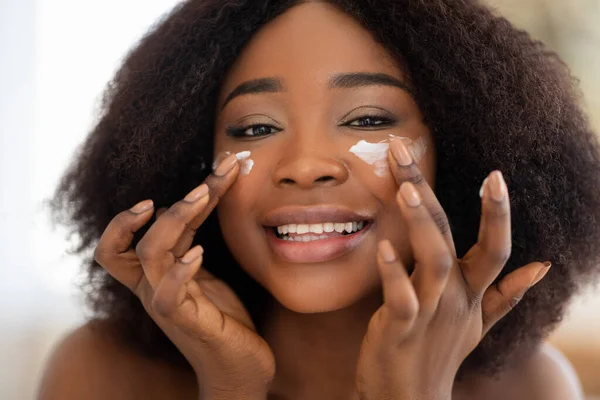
(308, 169)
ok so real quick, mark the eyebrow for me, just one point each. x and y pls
(360, 79)
(262, 85)
(338, 81)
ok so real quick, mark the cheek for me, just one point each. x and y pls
(237, 212)
(390, 222)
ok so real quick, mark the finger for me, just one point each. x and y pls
(484, 261)
(171, 290)
(502, 297)
(154, 249)
(172, 234)
(399, 296)
(218, 183)
(160, 212)
(433, 258)
(178, 296)
(405, 169)
(113, 253)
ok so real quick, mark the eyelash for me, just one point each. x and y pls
(240, 132)
(381, 122)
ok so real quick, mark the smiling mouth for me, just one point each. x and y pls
(315, 232)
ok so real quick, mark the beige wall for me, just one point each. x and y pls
(572, 29)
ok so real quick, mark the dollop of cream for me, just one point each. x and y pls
(246, 163)
(376, 153)
(373, 154)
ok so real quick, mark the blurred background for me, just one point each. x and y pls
(55, 59)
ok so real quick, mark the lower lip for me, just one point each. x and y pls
(315, 251)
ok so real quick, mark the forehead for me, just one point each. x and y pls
(307, 45)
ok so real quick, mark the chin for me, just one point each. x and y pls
(305, 294)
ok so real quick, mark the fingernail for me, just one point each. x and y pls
(142, 207)
(482, 189)
(401, 153)
(497, 186)
(192, 255)
(410, 195)
(542, 273)
(219, 159)
(197, 193)
(226, 165)
(387, 251)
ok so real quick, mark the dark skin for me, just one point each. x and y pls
(342, 327)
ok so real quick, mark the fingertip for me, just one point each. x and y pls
(400, 152)
(225, 165)
(188, 265)
(483, 188)
(542, 272)
(386, 251)
(408, 195)
(192, 255)
(142, 207)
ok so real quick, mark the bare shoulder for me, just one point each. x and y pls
(89, 364)
(547, 375)
(550, 375)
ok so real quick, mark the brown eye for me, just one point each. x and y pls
(369, 122)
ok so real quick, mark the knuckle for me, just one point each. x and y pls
(415, 177)
(442, 263)
(177, 212)
(404, 309)
(499, 255)
(159, 305)
(439, 217)
(144, 251)
(102, 255)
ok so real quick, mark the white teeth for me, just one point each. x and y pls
(302, 229)
(319, 229)
(316, 228)
(349, 227)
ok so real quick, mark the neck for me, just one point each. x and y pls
(316, 353)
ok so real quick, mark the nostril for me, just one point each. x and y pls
(325, 179)
(287, 181)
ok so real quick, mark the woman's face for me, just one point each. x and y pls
(299, 97)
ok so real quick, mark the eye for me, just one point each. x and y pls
(252, 131)
(370, 121)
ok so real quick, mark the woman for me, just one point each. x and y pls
(330, 269)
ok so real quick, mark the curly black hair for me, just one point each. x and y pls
(493, 97)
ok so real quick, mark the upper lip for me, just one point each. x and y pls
(313, 215)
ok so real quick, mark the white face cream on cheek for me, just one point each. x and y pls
(373, 154)
(376, 153)
(246, 163)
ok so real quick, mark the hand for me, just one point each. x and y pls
(199, 313)
(432, 320)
